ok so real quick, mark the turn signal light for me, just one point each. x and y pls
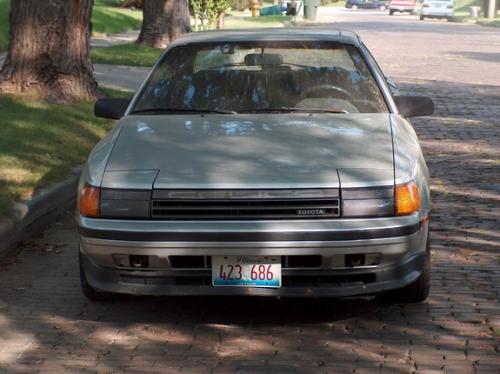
(88, 201)
(407, 199)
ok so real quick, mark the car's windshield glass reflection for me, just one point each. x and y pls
(261, 78)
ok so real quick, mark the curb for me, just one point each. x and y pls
(33, 216)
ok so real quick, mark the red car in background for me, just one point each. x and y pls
(401, 6)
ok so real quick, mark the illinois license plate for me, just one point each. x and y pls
(247, 271)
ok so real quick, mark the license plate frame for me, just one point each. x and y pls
(246, 271)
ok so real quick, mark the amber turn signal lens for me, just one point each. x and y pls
(88, 201)
(407, 199)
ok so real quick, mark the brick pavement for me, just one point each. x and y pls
(46, 325)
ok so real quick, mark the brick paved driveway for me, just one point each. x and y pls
(47, 325)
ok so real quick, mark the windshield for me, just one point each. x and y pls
(239, 78)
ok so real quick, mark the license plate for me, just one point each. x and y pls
(246, 271)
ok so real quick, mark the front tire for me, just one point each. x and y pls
(421, 18)
(391, 12)
(418, 290)
(90, 292)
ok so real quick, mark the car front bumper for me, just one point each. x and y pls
(441, 12)
(401, 8)
(398, 246)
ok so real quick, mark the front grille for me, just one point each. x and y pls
(281, 204)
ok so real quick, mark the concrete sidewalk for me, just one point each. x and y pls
(113, 39)
(127, 78)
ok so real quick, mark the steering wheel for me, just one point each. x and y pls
(316, 91)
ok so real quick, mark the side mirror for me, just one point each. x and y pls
(414, 106)
(111, 108)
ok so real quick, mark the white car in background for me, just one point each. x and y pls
(436, 9)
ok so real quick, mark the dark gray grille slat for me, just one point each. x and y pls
(245, 216)
(240, 207)
(222, 194)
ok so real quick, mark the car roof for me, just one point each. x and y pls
(269, 34)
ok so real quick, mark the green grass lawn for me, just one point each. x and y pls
(462, 14)
(126, 54)
(489, 22)
(40, 143)
(4, 24)
(107, 18)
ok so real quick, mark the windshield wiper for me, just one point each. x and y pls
(287, 110)
(182, 110)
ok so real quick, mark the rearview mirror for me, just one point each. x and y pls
(254, 59)
(111, 108)
(414, 106)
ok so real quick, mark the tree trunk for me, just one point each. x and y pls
(220, 21)
(163, 22)
(49, 52)
(491, 9)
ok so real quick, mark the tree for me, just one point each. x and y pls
(139, 4)
(163, 22)
(211, 10)
(49, 51)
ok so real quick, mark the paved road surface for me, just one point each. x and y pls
(430, 49)
(46, 324)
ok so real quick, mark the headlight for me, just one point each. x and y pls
(383, 201)
(407, 199)
(89, 201)
(368, 202)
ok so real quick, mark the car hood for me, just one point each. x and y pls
(254, 151)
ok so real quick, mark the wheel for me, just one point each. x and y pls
(418, 290)
(91, 293)
(421, 17)
(348, 6)
(391, 12)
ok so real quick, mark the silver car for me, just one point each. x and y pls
(259, 162)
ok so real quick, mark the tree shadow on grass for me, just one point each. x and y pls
(42, 142)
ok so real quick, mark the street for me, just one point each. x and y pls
(46, 324)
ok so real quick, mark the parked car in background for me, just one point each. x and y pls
(437, 9)
(266, 162)
(402, 6)
(366, 4)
